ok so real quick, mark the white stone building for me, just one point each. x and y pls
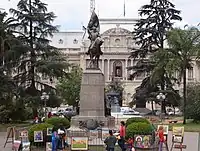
(117, 46)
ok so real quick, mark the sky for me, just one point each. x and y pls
(72, 14)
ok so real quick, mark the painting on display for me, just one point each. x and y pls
(38, 136)
(26, 146)
(165, 129)
(23, 134)
(178, 131)
(177, 139)
(79, 143)
(142, 141)
(48, 146)
(49, 131)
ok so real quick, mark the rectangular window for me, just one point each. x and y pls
(190, 73)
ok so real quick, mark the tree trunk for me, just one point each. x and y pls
(152, 108)
(184, 96)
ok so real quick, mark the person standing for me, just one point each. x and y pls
(161, 137)
(122, 132)
(110, 141)
(54, 139)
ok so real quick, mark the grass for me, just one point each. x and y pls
(3, 127)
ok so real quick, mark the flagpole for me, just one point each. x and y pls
(124, 8)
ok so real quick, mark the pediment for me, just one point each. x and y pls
(116, 31)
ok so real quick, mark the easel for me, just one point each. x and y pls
(178, 133)
(173, 143)
(10, 134)
(166, 144)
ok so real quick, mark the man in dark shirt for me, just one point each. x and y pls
(110, 141)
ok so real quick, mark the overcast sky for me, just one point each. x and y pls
(72, 14)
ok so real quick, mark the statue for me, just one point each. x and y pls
(94, 50)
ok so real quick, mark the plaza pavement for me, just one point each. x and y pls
(190, 139)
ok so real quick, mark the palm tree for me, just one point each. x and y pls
(184, 48)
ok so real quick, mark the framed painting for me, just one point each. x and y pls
(23, 134)
(177, 139)
(26, 146)
(48, 146)
(38, 136)
(79, 143)
(49, 131)
(178, 131)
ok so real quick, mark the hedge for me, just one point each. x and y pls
(136, 120)
(139, 128)
(58, 121)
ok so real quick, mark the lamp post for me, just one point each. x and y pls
(44, 97)
(161, 97)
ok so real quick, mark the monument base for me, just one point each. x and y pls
(93, 122)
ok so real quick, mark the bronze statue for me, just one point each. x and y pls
(94, 50)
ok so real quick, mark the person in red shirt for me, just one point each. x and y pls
(161, 137)
(122, 132)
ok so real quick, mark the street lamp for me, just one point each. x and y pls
(161, 97)
(44, 97)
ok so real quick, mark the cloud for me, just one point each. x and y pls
(71, 14)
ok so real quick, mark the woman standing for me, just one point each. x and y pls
(122, 132)
(161, 137)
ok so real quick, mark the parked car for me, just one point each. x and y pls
(131, 112)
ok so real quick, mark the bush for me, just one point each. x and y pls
(57, 121)
(139, 128)
(136, 120)
(38, 127)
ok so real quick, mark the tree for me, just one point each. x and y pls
(193, 105)
(184, 48)
(36, 57)
(150, 35)
(69, 86)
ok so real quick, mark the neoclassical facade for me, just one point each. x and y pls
(118, 42)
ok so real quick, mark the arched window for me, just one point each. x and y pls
(117, 68)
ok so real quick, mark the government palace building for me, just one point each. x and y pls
(118, 41)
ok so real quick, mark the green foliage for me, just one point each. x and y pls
(69, 87)
(36, 56)
(156, 19)
(136, 120)
(139, 128)
(184, 48)
(58, 121)
(38, 127)
(193, 102)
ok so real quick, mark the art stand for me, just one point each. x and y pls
(175, 142)
(166, 144)
(10, 134)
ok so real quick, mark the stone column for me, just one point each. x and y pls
(102, 65)
(126, 65)
(131, 65)
(108, 69)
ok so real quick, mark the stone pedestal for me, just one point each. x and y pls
(92, 106)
